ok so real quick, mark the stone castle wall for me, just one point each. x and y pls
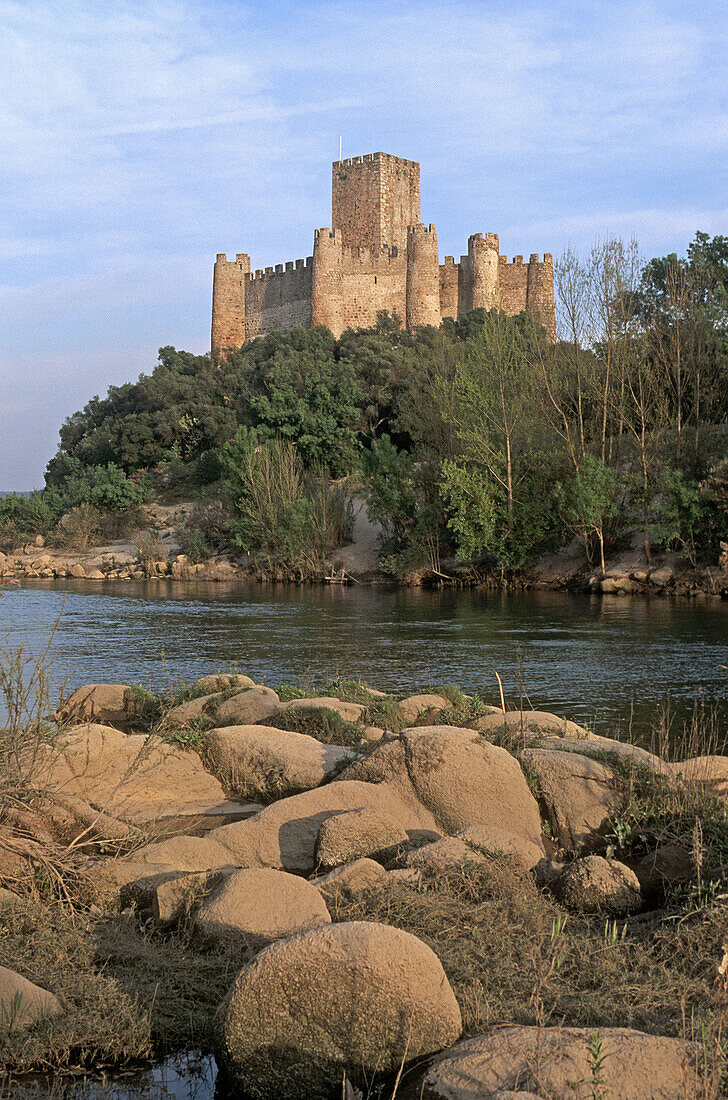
(378, 256)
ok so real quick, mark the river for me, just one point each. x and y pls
(608, 661)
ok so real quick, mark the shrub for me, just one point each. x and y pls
(207, 529)
(78, 529)
(107, 488)
(24, 517)
(196, 547)
(692, 518)
(151, 549)
(290, 519)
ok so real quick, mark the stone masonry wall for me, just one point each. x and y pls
(351, 285)
(278, 298)
(528, 287)
(228, 301)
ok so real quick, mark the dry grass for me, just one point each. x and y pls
(129, 992)
(511, 958)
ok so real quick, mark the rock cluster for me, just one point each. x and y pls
(317, 998)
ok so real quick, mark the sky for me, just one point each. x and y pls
(138, 139)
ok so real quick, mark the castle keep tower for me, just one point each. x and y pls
(374, 200)
(377, 256)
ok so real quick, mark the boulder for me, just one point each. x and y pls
(578, 794)
(458, 777)
(192, 712)
(356, 997)
(131, 777)
(249, 706)
(593, 884)
(261, 905)
(517, 723)
(106, 704)
(174, 897)
(350, 712)
(70, 816)
(662, 577)
(490, 839)
(416, 707)
(223, 682)
(116, 883)
(263, 762)
(187, 853)
(597, 746)
(709, 771)
(669, 865)
(284, 834)
(7, 897)
(364, 832)
(448, 854)
(23, 1004)
(464, 780)
(556, 1061)
(354, 878)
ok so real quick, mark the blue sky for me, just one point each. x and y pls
(138, 139)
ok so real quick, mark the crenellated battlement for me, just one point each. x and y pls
(377, 255)
(294, 268)
(373, 158)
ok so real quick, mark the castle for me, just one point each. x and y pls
(378, 256)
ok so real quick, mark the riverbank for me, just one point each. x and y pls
(459, 888)
(149, 558)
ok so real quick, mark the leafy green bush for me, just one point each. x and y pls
(196, 547)
(24, 517)
(691, 517)
(107, 488)
(402, 496)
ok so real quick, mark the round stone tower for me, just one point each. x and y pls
(326, 280)
(483, 262)
(423, 277)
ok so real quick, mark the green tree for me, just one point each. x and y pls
(299, 391)
(588, 502)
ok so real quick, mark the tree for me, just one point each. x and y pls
(299, 392)
(587, 501)
(488, 404)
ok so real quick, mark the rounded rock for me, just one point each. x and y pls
(594, 884)
(357, 996)
(349, 836)
(261, 905)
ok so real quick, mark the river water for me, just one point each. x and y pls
(604, 660)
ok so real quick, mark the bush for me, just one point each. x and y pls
(78, 529)
(207, 529)
(692, 518)
(288, 518)
(106, 488)
(196, 547)
(151, 549)
(402, 495)
(24, 517)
